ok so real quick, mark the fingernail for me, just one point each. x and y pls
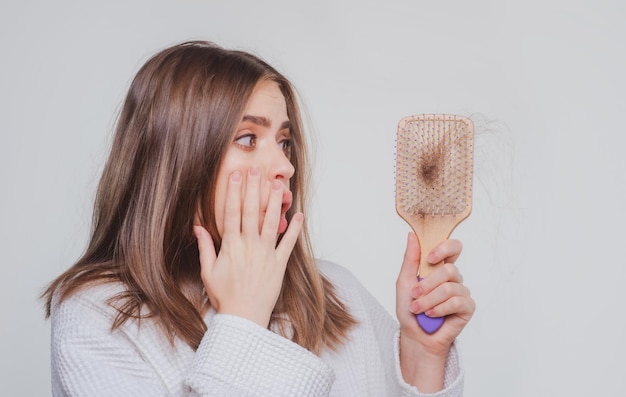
(236, 176)
(254, 170)
(417, 292)
(415, 307)
(277, 185)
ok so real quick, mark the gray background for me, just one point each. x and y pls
(543, 80)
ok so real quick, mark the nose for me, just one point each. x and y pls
(279, 166)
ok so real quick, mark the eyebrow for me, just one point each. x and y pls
(265, 122)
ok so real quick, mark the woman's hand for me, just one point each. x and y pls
(442, 293)
(245, 277)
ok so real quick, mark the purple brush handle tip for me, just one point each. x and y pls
(429, 324)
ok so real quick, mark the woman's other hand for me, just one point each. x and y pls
(442, 293)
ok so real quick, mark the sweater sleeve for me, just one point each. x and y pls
(236, 357)
(239, 358)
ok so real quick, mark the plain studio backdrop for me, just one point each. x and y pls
(544, 82)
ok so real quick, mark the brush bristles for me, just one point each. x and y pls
(433, 170)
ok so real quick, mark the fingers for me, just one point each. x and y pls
(458, 305)
(448, 251)
(232, 210)
(242, 211)
(442, 293)
(408, 271)
(250, 220)
(205, 247)
(273, 212)
(447, 273)
(290, 237)
(438, 296)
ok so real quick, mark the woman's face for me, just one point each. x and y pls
(261, 144)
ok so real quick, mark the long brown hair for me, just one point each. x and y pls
(179, 116)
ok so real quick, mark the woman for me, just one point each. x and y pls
(198, 279)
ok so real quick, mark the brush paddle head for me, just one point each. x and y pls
(434, 170)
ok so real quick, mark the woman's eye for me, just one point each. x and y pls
(248, 141)
(285, 144)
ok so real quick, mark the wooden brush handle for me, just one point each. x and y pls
(437, 233)
(430, 232)
(426, 246)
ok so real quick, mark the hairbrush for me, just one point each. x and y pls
(434, 160)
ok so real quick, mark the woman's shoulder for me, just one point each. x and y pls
(363, 305)
(91, 301)
(337, 274)
(344, 281)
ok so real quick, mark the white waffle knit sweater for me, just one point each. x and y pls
(236, 357)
